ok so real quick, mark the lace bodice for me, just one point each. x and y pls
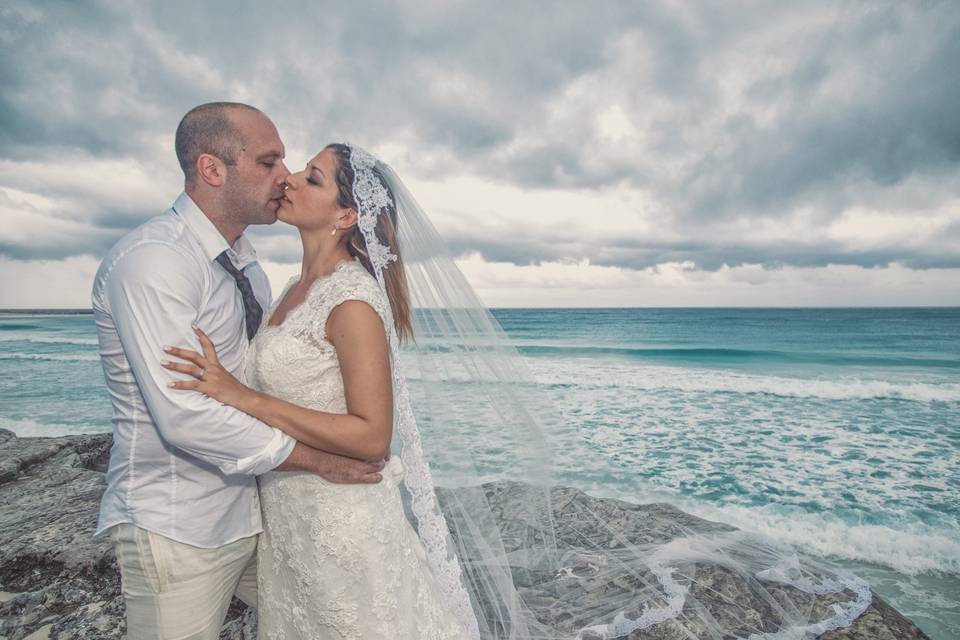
(294, 361)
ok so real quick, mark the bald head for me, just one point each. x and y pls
(211, 128)
(232, 160)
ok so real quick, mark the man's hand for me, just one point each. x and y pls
(331, 467)
(341, 470)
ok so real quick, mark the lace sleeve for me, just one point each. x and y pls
(350, 281)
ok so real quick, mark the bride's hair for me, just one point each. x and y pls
(394, 277)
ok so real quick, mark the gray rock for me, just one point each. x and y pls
(57, 581)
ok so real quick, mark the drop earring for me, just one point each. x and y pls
(334, 232)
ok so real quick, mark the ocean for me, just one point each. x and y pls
(835, 430)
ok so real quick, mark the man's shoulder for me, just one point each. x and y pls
(160, 241)
(164, 229)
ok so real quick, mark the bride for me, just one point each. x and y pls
(507, 560)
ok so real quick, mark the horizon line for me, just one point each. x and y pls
(89, 311)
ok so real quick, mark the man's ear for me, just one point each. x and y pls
(211, 169)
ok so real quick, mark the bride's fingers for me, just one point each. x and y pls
(189, 369)
(188, 385)
(187, 354)
(207, 344)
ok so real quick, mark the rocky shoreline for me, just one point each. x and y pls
(58, 582)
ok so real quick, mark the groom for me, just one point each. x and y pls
(181, 501)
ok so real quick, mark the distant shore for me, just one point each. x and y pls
(46, 312)
(88, 312)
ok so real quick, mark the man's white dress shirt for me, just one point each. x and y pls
(182, 465)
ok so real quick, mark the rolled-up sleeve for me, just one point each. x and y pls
(154, 294)
(276, 451)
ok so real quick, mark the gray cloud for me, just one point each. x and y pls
(882, 136)
(77, 76)
(710, 256)
(736, 110)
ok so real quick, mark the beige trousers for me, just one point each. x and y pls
(174, 591)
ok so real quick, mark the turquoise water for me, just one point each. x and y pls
(836, 430)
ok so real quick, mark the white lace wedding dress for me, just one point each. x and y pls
(336, 561)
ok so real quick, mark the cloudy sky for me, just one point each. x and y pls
(573, 154)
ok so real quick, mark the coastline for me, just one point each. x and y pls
(60, 582)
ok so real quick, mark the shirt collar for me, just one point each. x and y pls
(212, 242)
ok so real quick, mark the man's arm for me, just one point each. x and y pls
(154, 295)
(332, 467)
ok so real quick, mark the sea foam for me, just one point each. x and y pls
(54, 357)
(911, 550)
(32, 428)
(20, 337)
(657, 378)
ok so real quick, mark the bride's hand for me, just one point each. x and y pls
(209, 376)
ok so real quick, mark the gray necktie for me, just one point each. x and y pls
(252, 311)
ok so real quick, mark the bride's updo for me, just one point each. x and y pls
(394, 277)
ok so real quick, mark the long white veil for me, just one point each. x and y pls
(518, 556)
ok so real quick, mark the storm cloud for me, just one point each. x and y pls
(624, 134)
